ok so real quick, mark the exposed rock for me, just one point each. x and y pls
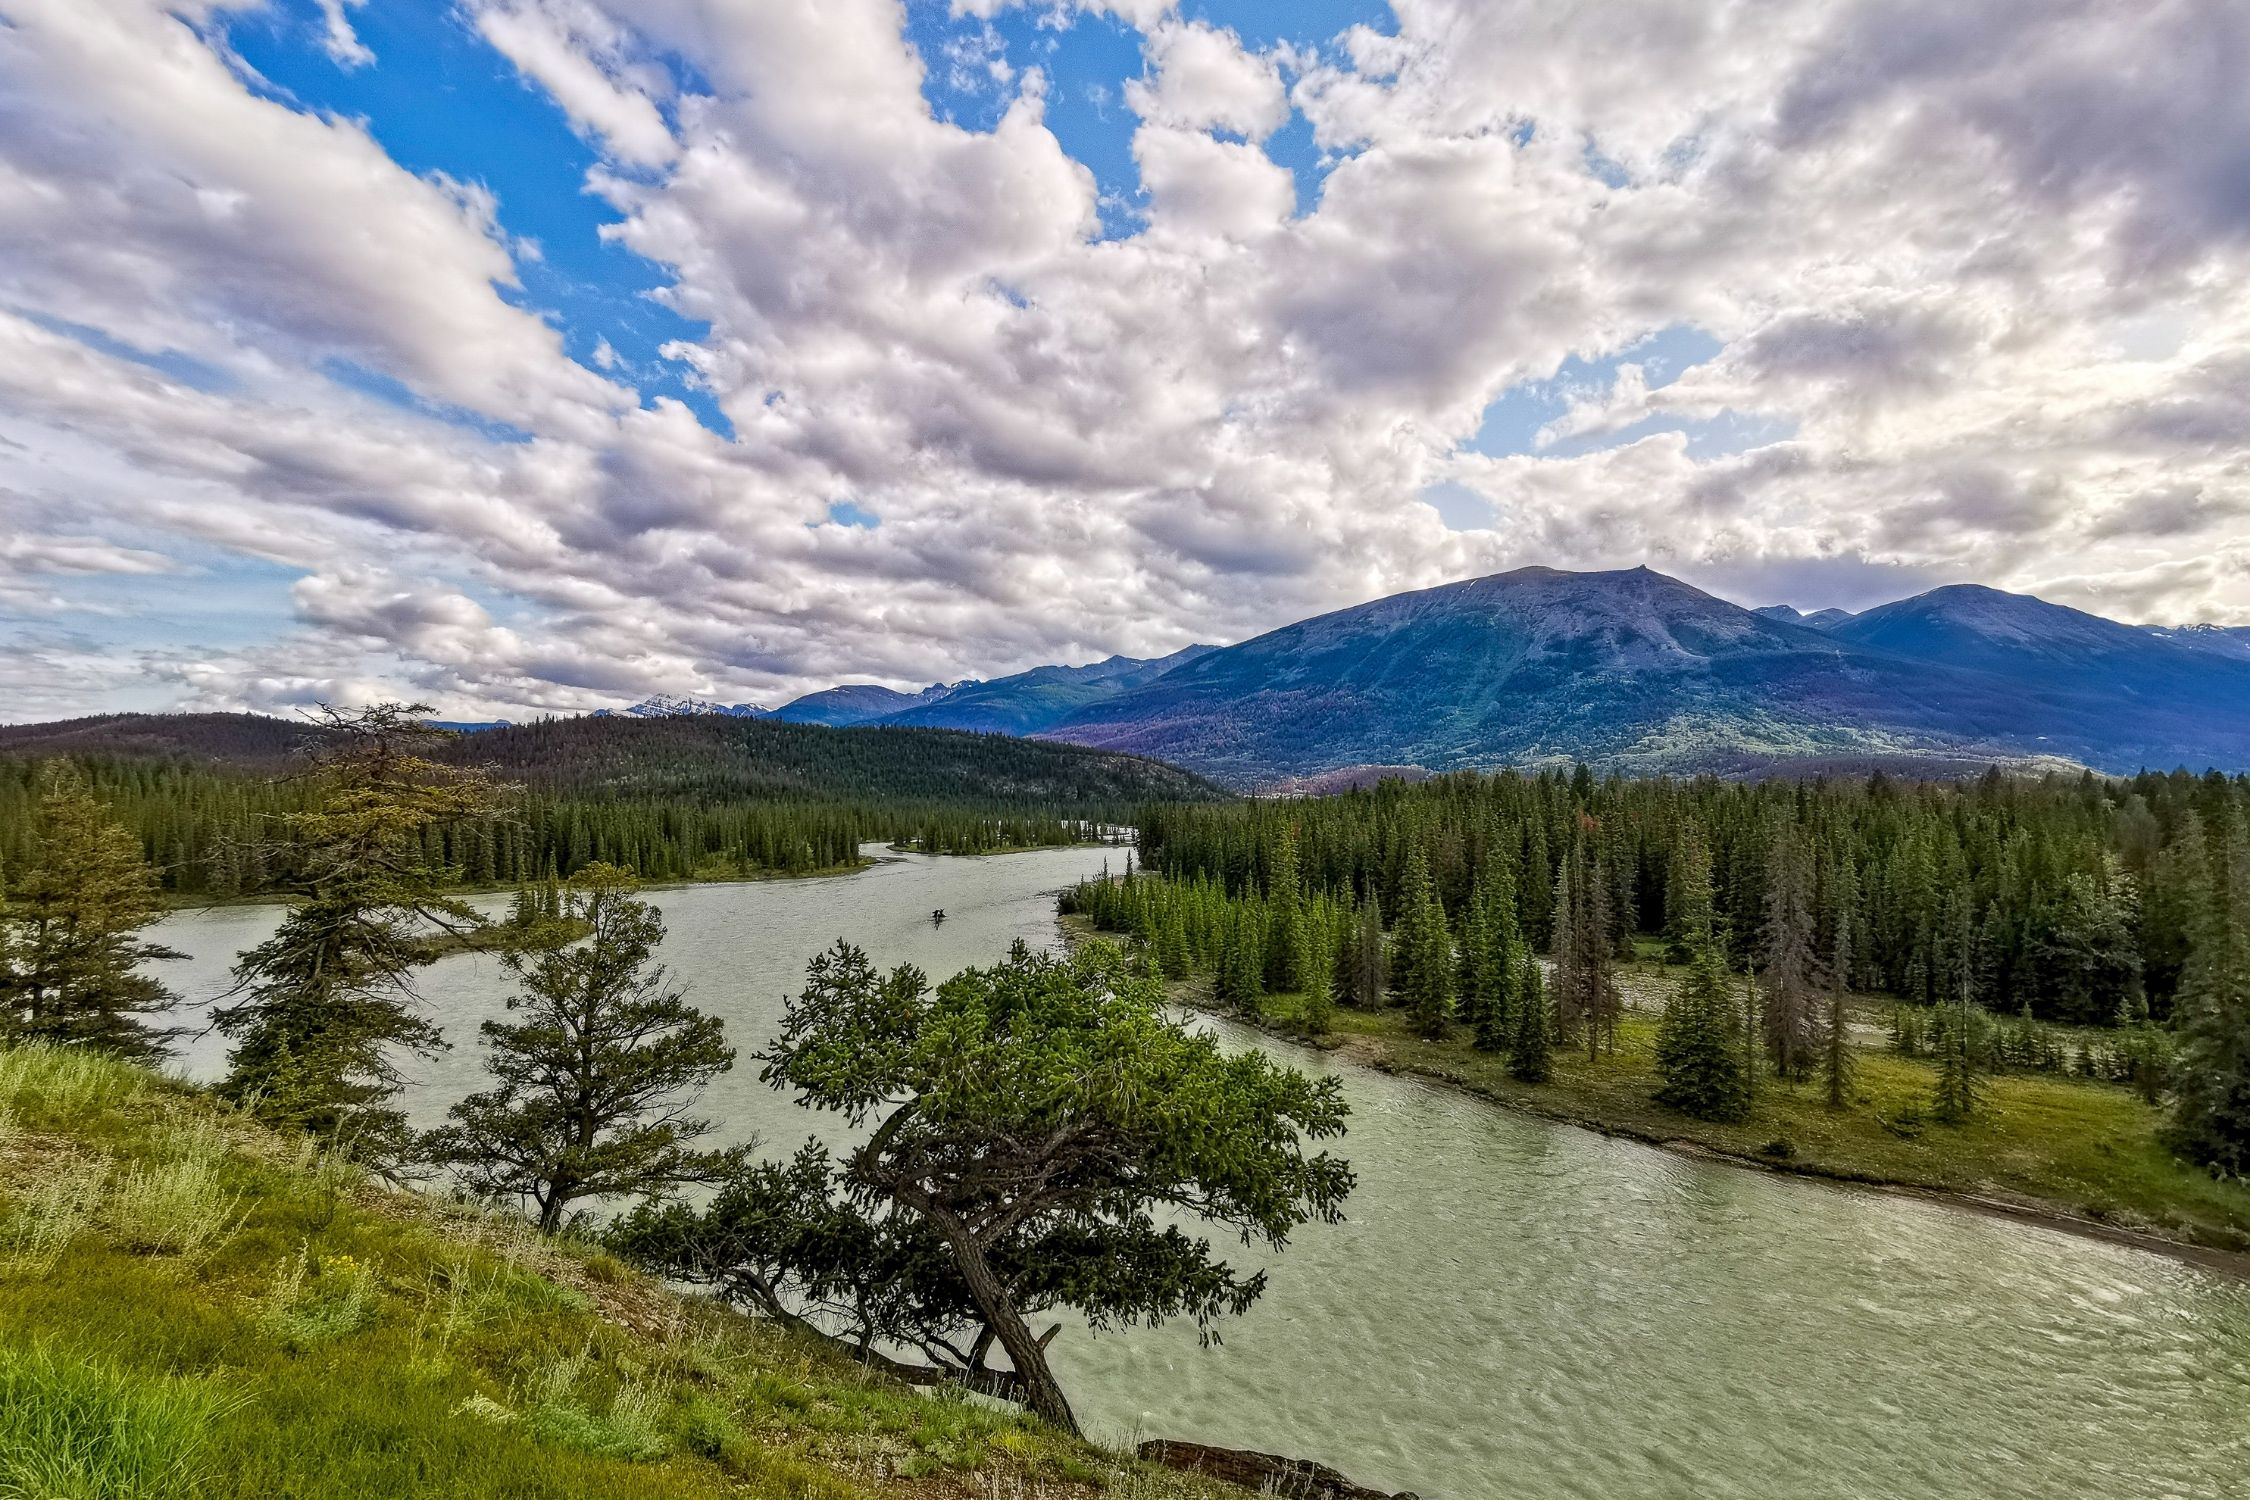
(1268, 1473)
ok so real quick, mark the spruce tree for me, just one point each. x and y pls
(1790, 978)
(1422, 968)
(1318, 1011)
(1366, 958)
(1836, 1054)
(321, 1008)
(2211, 1119)
(70, 924)
(1697, 1051)
(1531, 1046)
(594, 1083)
(1284, 909)
(1500, 961)
(1587, 1001)
(1957, 1096)
(1689, 903)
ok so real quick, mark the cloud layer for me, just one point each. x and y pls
(1984, 266)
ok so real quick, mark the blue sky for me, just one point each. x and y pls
(532, 355)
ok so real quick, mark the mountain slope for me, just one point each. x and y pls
(712, 757)
(854, 703)
(1032, 701)
(1637, 671)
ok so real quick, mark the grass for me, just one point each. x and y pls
(338, 1340)
(2042, 1141)
(76, 1429)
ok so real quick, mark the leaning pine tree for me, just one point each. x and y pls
(1030, 1137)
(1697, 1049)
(595, 1081)
(70, 944)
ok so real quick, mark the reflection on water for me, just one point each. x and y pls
(1520, 1309)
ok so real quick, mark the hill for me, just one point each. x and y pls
(854, 703)
(1639, 672)
(193, 1307)
(714, 756)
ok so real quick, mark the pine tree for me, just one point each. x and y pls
(594, 1083)
(1836, 1053)
(2211, 1119)
(1284, 908)
(1587, 1001)
(1241, 977)
(1498, 966)
(1531, 1047)
(1697, 1052)
(1689, 905)
(324, 1005)
(1790, 978)
(1957, 1095)
(70, 948)
(1366, 959)
(1422, 969)
(1318, 1011)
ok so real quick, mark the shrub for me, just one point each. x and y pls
(179, 1205)
(64, 1082)
(46, 1213)
(629, 1429)
(315, 1300)
(74, 1430)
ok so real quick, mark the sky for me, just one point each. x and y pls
(535, 356)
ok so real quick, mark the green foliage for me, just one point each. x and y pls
(1698, 1045)
(75, 1429)
(1531, 1043)
(317, 1298)
(1031, 1121)
(70, 950)
(1422, 960)
(595, 1081)
(2211, 1124)
(324, 1006)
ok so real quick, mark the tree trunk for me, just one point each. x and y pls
(1026, 1351)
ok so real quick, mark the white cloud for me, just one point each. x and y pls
(1985, 264)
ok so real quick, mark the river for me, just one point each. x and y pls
(1517, 1309)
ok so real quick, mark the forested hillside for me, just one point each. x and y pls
(671, 798)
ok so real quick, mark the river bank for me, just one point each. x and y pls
(2073, 1154)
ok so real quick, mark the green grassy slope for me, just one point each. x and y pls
(192, 1307)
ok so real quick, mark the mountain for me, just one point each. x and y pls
(854, 703)
(1033, 701)
(1820, 619)
(664, 707)
(1639, 672)
(2217, 640)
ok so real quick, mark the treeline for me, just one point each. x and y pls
(2072, 897)
(219, 832)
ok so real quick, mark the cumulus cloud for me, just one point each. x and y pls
(1982, 265)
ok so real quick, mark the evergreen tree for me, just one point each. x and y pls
(1689, 909)
(70, 947)
(1957, 1096)
(1319, 1008)
(1531, 1046)
(1697, 1051)
(1790, 980)
(1241, 977)
(1368, 967)
(1587, 1001)
(1500, 959)
(1836, 1052)
(2211, 1120)
(323, 1005)
(1284, 908)
(1422, 966)
(594, 1083)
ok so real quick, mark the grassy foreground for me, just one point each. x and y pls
(2042, 1143)
(193, 1307)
